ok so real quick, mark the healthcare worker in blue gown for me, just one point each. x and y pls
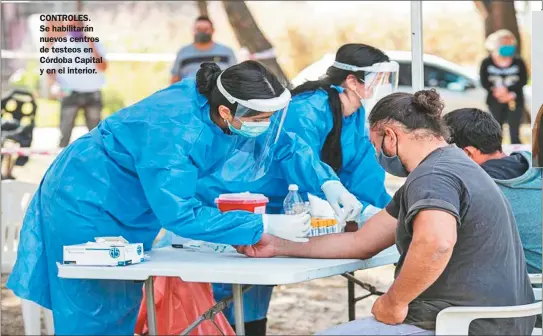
(330, 115)
(137, 172)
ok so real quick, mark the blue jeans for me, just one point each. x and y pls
(370, 326)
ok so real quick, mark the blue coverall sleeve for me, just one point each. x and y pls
(301, 165)
(365, 178)
(168, 171)
(299, 150)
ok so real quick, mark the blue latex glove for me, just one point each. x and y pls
(345, 204)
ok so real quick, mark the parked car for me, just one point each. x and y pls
(459, 86)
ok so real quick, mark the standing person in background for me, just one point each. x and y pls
(504, 75)
(203, 49)
(78, 90)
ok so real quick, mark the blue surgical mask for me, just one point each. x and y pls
(391, 164)
(507, 50)
(250, 129)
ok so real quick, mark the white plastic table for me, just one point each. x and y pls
(229, 268)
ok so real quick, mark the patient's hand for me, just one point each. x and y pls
(265, 248)
(387, 311)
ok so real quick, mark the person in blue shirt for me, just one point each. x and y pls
(330, 116)
(480, 136)
(203, 49)
(137, 172)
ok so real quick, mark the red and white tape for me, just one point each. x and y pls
(262, 55)
(30, 151)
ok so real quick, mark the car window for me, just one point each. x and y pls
(441, 78)
(433, 76)
(404, 77)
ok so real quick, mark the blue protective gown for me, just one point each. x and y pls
(133, 174)
(309, 117)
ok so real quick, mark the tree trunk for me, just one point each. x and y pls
(79, 6)
(499, 15)
(250, 36)
(202, 7)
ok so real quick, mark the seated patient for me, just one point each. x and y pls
(453, 227)
(479, 135)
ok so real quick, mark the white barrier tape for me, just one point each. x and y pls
(138, 57)
(127, 57)
(244, 54)
(30, 151)
(261, 55)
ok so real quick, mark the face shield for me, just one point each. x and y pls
(255, 127)
(380, 80)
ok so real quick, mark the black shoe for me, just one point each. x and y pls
(255, 328)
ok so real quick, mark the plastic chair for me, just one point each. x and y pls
(456, 320)
(535, 278)
(16, 196)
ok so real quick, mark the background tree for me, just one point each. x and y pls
(499, 15)
(250, 36)
(79, 6)
(202, 7)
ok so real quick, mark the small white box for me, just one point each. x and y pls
(103, 254)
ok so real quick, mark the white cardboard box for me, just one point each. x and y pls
(103, 254)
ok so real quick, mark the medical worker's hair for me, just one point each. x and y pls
(415, 112)
(354, 54)
(476, 128)
(246, 80)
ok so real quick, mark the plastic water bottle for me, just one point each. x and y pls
(293, 204)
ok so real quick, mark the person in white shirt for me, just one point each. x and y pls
(80, 63)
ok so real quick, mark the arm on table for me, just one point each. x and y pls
(428, 255)
(376, 235)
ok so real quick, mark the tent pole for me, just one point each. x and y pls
(417, 65)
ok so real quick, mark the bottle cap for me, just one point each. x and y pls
(293, 187)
